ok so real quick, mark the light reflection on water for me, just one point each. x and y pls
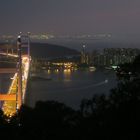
(70, 87)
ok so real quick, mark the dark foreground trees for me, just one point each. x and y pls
(115, 117)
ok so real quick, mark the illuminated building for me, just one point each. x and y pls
(84, 56)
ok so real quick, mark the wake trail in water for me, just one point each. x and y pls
(85, 87)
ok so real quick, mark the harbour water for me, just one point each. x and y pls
(5, 81)
(70, 87)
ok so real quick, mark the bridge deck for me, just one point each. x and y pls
(7, 97)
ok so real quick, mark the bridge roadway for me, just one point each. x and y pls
(10, 102)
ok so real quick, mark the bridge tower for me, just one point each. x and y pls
(19, 96)
(19, 67)
(13, 100)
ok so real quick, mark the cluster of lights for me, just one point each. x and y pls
(25, 62)
(9, 107)
(12, 55)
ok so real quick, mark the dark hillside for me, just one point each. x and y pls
(49, 50)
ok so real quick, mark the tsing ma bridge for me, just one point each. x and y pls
(15, 97)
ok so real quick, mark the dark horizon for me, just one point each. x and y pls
(119, 18)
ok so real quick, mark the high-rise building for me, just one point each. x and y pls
(84, 56)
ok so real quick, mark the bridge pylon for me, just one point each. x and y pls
(16, 93)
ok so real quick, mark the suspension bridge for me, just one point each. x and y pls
(15, 97)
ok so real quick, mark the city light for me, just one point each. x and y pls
(9, 107)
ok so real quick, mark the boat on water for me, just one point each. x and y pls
(108, 68)
(92, 68)
(106, 81)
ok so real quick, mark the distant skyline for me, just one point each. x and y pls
(71, 17)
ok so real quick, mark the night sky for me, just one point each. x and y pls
(117, 17)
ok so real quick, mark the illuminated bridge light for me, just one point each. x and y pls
(9, 106)
(12, 100)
